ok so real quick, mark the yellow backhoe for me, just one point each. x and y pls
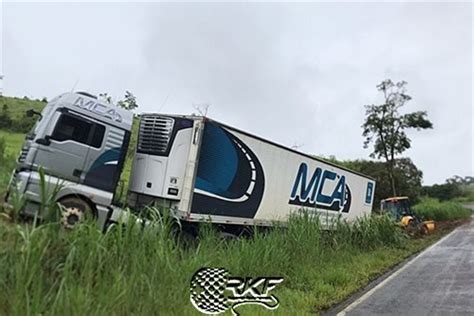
(399, 208)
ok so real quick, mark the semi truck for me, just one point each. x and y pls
(197, 168)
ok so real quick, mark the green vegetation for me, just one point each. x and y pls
(385, 126)
(18, 106)
(13, 142)
(13, 126)
(13, 113)
(120, 196)
(10, 144)
(433, 209)
(130, 270)
(459, 188)
(406, 175)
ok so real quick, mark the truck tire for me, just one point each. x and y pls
(226, 237)
(74, 211)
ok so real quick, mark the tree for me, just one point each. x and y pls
(129, 102)
(460, 180)
(406, 174)
(385, 126)
(105, 97)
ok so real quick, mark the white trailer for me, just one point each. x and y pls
(207, 171)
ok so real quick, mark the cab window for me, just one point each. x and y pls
(70, 127)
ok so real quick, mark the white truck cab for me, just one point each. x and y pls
(81, 144)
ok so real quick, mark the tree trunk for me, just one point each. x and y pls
(392, 178)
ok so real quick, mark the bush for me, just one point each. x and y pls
(24, 125)
(5, 119)
(443, 192)
(433, 209)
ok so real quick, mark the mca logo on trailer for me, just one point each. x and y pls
(325, 189)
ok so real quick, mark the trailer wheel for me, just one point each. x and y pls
(74, 211)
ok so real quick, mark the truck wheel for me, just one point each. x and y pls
(74, 211)
(225, 236)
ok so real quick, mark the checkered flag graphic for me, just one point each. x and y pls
(207, 290)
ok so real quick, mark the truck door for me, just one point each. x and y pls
(105, 157)
(64, 153)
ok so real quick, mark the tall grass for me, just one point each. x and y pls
(7, 163)
(136, 270)
(433, 209)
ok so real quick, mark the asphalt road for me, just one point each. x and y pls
(439, 281)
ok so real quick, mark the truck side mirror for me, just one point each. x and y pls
(44, 141)
(31, 113)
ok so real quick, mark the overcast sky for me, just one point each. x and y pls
(292, 73)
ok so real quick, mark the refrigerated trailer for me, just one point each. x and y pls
(198, 168)
(206, 170)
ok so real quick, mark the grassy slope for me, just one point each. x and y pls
(143, 272)
(433, 209)
(13, 142)
(18, 106)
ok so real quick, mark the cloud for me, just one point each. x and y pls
(292, 73)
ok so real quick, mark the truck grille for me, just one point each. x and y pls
(154, 134)
(23, 154)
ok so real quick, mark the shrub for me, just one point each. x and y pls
(433, 209)
(443, 192)
(5, 119)
(24, 125)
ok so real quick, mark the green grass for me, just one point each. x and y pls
(13, 142)
(125, 176)
(468, 194)
(48, 271)
(433, 209)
